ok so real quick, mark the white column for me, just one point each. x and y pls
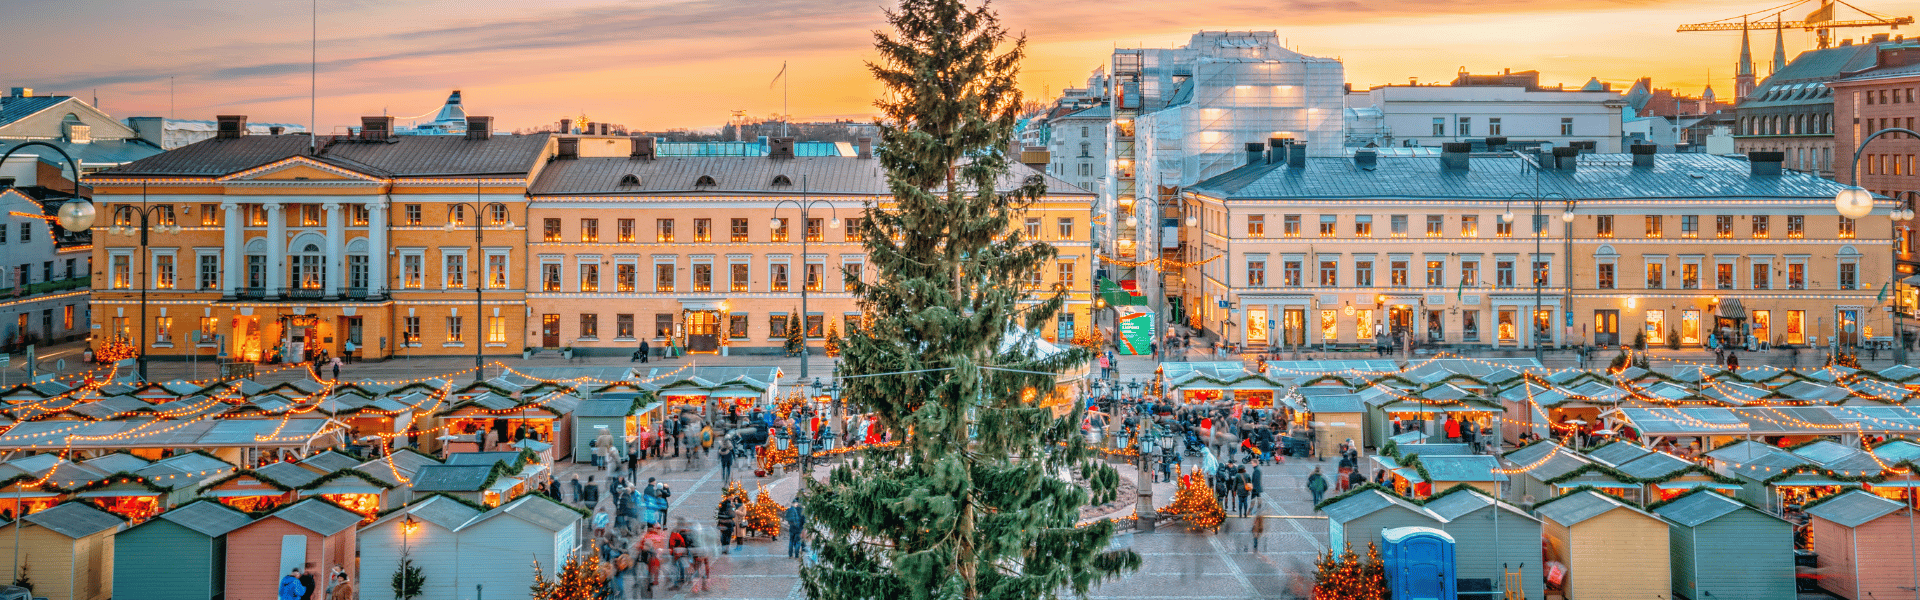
(233, 258)
(377, 248)
(336, 250)
(276, 249)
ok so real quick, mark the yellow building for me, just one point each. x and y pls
(1330, 251)
(684, 249)
(360, 245)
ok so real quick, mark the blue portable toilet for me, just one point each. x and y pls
(1419, 563)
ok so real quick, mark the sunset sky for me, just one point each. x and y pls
(658, 64)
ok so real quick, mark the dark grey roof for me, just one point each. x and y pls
(604, 408)
(1366, 503)
(1462, 468)
(1618, 452)
(75, 519)
(732, 175)
(117, 463)
(1579, 506)
(1854, 508)
(1653, 466)
(1801, 81)
(445, 512)
(288, 474)
(541, 511)
(1532, 453)
(14, 108)
(1497, 178)
(402, 156)
(1697, 508)
(210, 518)
(482, 458)
(1335, 403)
(319, 516)
(1462, 502)
(330, 461)
(451, 478)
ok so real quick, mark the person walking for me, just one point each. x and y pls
(644, 354)
(796, 525)
(336, 368)
(1317, 485)
(290, 587)
(592, 498)
(1258, 488)
(578, 492)
(724, 520)
(1257, 529)
(1242, 490)
(726, 459)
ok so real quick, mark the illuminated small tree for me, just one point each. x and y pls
(1195, 503)
(763, 515)
(579, 579)
(1343, 576)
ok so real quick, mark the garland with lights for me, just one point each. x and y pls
(1195, 503)
(579, 579)
(763, 515)
(1346, 577)
(114, 350)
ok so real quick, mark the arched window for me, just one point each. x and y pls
(629, 180)
(309, 265)
(782, 180)
(705, 181)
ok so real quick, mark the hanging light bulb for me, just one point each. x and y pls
(1133, 221)
(834, 224)
(1506, 217)
(773, 223)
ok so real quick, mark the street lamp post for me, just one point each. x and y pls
(479, 270)
(75, 215)
(1143, 481)
(806, 208)
(1540, 232)
(1856, 202)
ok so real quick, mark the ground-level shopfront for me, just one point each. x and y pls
(258, 332)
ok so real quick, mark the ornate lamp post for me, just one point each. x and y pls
(1143, 481)
(1539, 278)
(1856, 202)
(806, 209)
(479, 271)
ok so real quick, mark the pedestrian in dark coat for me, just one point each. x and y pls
(1242, 489)
(307, 580)
(579, 493)
(1317, 485)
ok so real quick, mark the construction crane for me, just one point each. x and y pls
(1821, 20)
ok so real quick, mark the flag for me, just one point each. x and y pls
(1458, 292)
(1822, 14)
(776, 77)
(1883, 293)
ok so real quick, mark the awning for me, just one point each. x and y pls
(116, 494)
(1612, 485)
(1897, 484)
(1731, 308)
(1692, 485)
(242, 493)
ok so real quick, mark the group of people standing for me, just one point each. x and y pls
(300, 583)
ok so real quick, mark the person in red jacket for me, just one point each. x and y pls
(1453, 429)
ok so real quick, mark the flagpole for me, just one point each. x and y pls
(786, 89)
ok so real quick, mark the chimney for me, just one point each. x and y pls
(277, 130)
(1277, 149)
(642, 148)
(1766, 164)
(606, 129)
(1564, 158)
(780, 147)
(78, 133)
(1586, 146)
(376, 128)
(1643, 155)
(1297, 154)
(566, 126)
(1496, 144)
(865, 146)
(1453, 155)
(587, 128)
(230, 126)
(479, 128)
(22, 92)
(1366, 159)
(151, 129)
(1256, 153)
(569, 148)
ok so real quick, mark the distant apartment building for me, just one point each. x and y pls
(1792, 111)
(1078, 147)
(1507, 105)
(1325, 251)
(1885, 95)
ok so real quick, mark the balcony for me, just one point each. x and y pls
(307, 294)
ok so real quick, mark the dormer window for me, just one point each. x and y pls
(629, 179)
(705, 181)
(782, 180)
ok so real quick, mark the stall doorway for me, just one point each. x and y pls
(703, 331)
(1606, 327)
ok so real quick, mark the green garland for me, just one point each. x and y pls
(118, 478)
(1454, 489)
(238, 473)
(1587, 488)
(1821, 471)
(344, 473)
(1657, 505)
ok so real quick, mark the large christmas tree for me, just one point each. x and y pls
(974, 502)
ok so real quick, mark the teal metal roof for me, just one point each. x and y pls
(1498, 178)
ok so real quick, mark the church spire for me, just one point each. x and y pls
(1779, 46)
(1743, 75)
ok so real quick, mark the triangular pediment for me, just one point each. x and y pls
(300, 168)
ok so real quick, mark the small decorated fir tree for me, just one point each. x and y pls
(796, 336)
(763, 515)
(579, 579)
(1344, 576)
(833, 340)
(408, 580)
(1194, 503)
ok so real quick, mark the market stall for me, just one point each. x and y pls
(1358, 516)
(177, 555)
(308, 531)
(1493, 538)
(67, 549)
(249, 491)
(356, 491)
(426, 531)
(1723, 548)
(503, 544)
(1865, 545)
(1592, 536)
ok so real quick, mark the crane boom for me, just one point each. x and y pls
(1764, 25)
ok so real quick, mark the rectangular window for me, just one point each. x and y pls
(590, 277)
(738, 282)
(1439, 126)
(623, 327)
(1723, 226)
(1065, 225)
(209, 326)
(455, 270)
(454, 334)
(1329, 273)
(409, 216)
(1796, 276)
(739, 233)
(3, 233)
(777, 277)
(663, 277)
(1327, 225)
(1290, 225)
(1566, 125)
(1470, 325)
(816, 274)
(1846, 227)
(623, 229)
(1762, 276)
(1290, 273)
(1065, 272)
(1689, 226)
(1362, 225)
(1493, 126)
(1466, 127)
(1655, 226)
(737, 326)
(1723, 276)
(550, 277)
(1796, 327)
(776, 325)
(1761, 225)
(625, 277)
(816, 325)
(780, 229)
(1656, 276)
(1503, 273)
(413, 271)
(456, 215)
(703, 230)
(816, 230)
(1397, 272)
(1603, 276)
(1502, 228)
(411, 331)
(1434, 224)
(663, 231)
(1436, 273)
(1363, 272)
(1399, 225)
(1031, 227)
(1689, 276)
(209, 271)
(1256, 226)
(496, 215)
(1542, 273)
(1330, 325)
(1469, 225)
(1796, 226)
(210, 214)
(1256, 273)
(163, 268)
(497, 271)
(590, 326)
(1603, 226)
(853, 225)
(162, 330)
(853, 272)
(551, 230)
(1469, 272)
(496, 330)
(702, 277)
(590, 230)
(1540, 224)
(257, 271)
(662, 325)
